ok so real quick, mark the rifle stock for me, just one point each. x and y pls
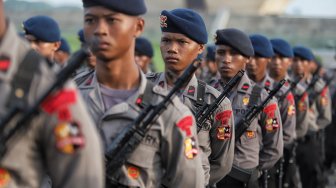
(205, 112)
(124, 144)
(252, 113)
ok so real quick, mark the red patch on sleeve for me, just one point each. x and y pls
(290, 98)
(270, 110)
(324, 92)
(59, 100)
(185, 124)
(305, 95)
(224, 116)
(4, 64)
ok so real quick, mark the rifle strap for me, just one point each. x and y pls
(22, 80)
(255, 96)
(200, 93)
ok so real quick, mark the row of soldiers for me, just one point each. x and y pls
(114, 98)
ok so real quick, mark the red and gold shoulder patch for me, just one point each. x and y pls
(324, 99)
(224, 129)
(133, 172)
(4, 177)
(301, 104)
(185, 124)
(291, 107)
(190, 149)
(270, 110)
(69, 137)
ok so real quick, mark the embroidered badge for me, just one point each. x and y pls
(223, 117)
(250, 134)
(275, 123)
(185, 124)
(246, 100)
(291, 107)
(163, 21)
(245, 86)
(190, 149)
(191, 90)
(324, 101)
(223, 132)
(270, 110)
(69, 137)
(4, 177)
(4, 63)
(133, 172)
(301, 104)
(268, 84)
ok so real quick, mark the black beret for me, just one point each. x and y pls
(42, 28)
(303, 52)
(144, 47)
(80, 35)
(236, 39)
(262, 46)
(282, 47)
(184, 21)
(211, 52)
(64, 46)
(129, 7)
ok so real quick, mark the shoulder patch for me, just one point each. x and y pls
(245, 87)
(185, 124)
(4, 63)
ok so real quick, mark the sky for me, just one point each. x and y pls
(318, 8)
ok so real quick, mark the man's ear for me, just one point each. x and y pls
(201, 48)
(57, 45)
(139, 26)
(248, 60)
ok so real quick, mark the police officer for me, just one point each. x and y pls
(63, 53)
(261, 145)
(61, 139)
(44, 35)
(179, 47)
(309, 154)
(117, 91)
(278, 69)
(257, 71)
(143, 54)
(210, 71)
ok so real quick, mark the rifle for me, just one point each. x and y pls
(61, 78)
(203, 114)
(252, 113)
(313, 94)
(130, 137)
(291, 88)
(310, 87)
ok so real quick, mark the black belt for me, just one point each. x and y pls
(244, 175)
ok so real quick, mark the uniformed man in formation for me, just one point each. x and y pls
(116, 93)
(309, 153)
(283, 146)
(179, 47)
(261, 144)
(60, 140)
(144, 53)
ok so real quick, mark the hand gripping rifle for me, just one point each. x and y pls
(130, 137)
(207, 110)
(252, 113)
(8, 131)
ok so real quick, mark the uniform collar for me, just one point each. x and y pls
(267, 82)
(189, 91)
(245, 85)
(96, 97)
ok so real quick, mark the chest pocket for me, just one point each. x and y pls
(244, 104)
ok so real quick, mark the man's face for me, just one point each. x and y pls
(257, 66)
(178, 51)
(300, 66)
(312, 66)
(61, 57)
(229, 61)
(110, 34)
(279, 65)
(143, 61)
(45, 49)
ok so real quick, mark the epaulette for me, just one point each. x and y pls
(153, 76)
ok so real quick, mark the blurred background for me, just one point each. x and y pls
(302, 22)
